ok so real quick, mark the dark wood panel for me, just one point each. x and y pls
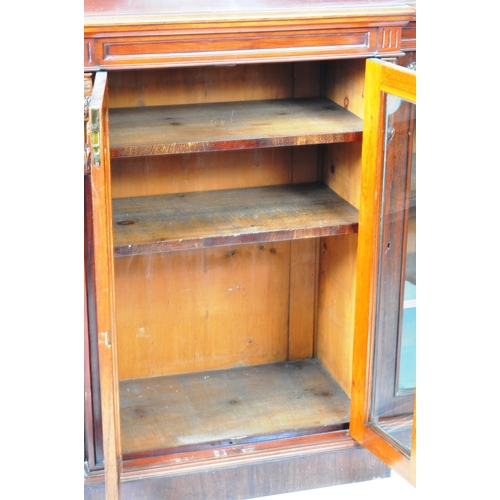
(215, 218)
(179, 50)
(312, 462)
(262, 479)
(159, 130)
(409, 37)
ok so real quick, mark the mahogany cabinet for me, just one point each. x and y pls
(244, 321)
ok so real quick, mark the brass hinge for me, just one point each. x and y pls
(95, 138)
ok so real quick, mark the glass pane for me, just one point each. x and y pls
(394, 372)
(407, 353)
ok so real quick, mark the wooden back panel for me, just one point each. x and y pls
(193, 85)
(232, 306)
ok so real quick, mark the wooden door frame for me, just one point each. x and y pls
(381, 77)
(103, 266)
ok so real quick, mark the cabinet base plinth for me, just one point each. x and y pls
(270, 477)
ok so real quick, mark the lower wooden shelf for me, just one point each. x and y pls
(162, 415)
(162, 223)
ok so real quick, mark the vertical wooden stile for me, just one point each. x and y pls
(104, 284)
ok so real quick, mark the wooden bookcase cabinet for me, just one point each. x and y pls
(230, 291)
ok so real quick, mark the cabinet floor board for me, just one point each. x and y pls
(224, 405)
(185, 221)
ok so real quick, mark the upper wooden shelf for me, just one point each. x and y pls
(160, 130)
(163, 223)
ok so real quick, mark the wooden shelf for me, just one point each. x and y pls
(229, 406)
(163, 223)
(161, 130)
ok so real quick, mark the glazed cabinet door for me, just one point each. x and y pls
(99, 271)
(384, 373)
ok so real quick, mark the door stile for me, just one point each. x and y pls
(381, 78)
(103, 263)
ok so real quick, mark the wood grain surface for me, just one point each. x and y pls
(159, 130)
(213, 406)
(199, 310)
(215, 218)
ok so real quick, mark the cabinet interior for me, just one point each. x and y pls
(235, 250)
